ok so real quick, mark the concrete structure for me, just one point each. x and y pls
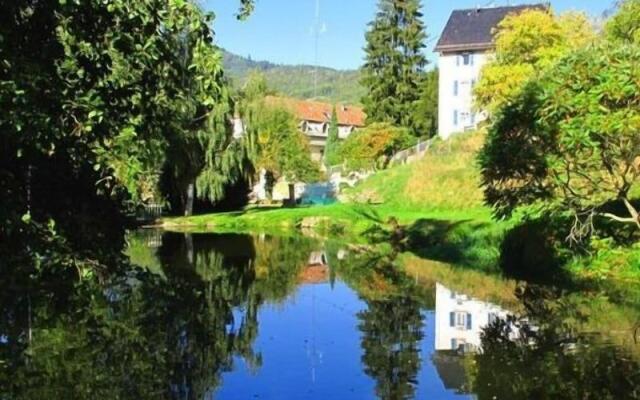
(465, 46)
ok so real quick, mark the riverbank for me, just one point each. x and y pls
(438, 206)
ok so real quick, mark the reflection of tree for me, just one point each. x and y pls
(139, 335)
(392, 330)
(549, 359)
(392, 324)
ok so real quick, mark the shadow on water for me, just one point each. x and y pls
(544, 354)
(528, 251)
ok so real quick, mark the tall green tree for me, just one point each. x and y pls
(394, 63)
(427, 106)
(332, 148)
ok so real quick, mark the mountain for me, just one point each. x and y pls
(298, 80)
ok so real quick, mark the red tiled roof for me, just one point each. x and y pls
(316, 111)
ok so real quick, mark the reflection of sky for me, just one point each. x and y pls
(4, 339)
(310, 348)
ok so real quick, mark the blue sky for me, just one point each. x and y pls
(281, 30)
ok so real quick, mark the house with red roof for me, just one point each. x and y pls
(315, 118)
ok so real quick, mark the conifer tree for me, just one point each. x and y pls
(394, 63)
(331, 150)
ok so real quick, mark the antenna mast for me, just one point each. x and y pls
(316, 30)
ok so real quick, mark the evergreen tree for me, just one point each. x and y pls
(331, 153)
(427, 107)
(394, 63)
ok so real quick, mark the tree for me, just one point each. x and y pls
(549, 340)
(373, 146)
(92, 96)
(527, 43)
(391, 333)
(332, 148)
(394, 63)
(427, 106)
(569, 142)
(279, 147)
(624, 26)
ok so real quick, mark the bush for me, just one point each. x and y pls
(373, 147)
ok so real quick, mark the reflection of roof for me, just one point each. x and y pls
(472, 29)
(316, 111)
(314, 274)
(450, 370)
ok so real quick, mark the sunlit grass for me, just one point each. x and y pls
(447, 178)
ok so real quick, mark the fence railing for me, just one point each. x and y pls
(418, 149)
(150, 212)
(401, 156)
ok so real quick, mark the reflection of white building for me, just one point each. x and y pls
(460, 319)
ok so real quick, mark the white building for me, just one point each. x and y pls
(460, 319)
(465, 46)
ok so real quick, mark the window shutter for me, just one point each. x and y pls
(452, 319)
(457, 61)
(471, 59)
(469, 321)
(454, 344)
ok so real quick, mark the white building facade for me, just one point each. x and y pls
(460, 320)
(465, 46)
(459, 73)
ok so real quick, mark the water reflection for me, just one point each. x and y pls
(547, 353)
(240, 316)
(460, 319)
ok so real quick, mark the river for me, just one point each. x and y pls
(229, 316)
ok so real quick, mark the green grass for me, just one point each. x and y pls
(438, 201)
(445, 180)
(350, 219)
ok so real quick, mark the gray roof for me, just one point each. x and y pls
(472, 29)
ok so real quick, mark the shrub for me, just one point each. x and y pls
(373, 147)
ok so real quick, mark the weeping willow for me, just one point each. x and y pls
(202, 158)
(226, 160)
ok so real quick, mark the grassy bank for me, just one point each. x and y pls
(444, 185)
(438, 201)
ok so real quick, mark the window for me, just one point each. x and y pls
(456, 344)
(467, 59)
(455, 88)
(460, 320)
(455, 117)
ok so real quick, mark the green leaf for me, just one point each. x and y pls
(26, 218)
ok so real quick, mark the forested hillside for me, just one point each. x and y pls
(298, 80)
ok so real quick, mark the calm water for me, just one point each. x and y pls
(260, 317)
